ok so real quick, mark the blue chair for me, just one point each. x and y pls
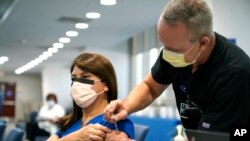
(159, 129)
(32, 116)
(15, 134)
(2, 129)
(140, 132)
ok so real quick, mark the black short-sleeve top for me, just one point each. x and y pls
(220, 87)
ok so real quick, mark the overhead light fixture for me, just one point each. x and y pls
(81, 25)
(108, 2)
(71, 33)
(93, 15)
(52, 49)
(64, 40)
(43, 57)
(58, 45)
(3, 59)
(46, 53)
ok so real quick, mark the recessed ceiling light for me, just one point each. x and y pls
(58, 45)
(18, 71)
(64, 40)
(3, 59)
(81, 25)
(52, 50)
(72, 33)
(108, 2)
(43, 57)
(46, 53)
(93, 15)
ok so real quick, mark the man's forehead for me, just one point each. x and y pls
(172, 34)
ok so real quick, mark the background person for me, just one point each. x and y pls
(210, 75)
(94, 85)
(47, 118)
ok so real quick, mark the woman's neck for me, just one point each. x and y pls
(93, 110)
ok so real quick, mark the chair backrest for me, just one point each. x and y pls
(140, 132)
(2, 129)
(32, 116)
(15, 134)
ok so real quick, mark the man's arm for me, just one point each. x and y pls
(143, 94)
(139, 98)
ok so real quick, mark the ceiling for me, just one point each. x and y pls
(29, 27)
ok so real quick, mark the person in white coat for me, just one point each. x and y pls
(46, 120)
(49, 113)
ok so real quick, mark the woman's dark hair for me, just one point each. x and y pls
(102, 68)
(51, 96)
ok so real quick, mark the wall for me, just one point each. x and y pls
(28, 92)
(56, 79)
(231, 18)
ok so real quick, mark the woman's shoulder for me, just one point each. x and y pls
(125, 125)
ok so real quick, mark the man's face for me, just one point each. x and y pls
(176, 38)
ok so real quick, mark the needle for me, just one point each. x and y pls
(116, 127)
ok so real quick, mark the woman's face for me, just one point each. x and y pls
(98, 85)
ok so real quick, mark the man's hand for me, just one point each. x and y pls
(115, 111)
(117, 136)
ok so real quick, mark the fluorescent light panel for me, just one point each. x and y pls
(93, 15)
(81, 25)
(71, 33)
(108, 2)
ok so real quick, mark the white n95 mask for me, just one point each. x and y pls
(83, 93)
(178, 59)
(50, 103)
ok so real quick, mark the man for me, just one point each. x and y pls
(210, 75)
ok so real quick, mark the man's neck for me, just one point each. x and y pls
(205, 54)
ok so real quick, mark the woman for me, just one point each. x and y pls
(93, 87)
(45, 123)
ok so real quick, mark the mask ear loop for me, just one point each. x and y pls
(191, 47)
(196, 55)
(100, 93)
(104, 90)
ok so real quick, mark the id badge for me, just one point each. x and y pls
(183, 107)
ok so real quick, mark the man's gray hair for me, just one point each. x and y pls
(195, 14)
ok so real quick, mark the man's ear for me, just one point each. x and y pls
(204, 43)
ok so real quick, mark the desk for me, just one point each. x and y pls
(159, 129)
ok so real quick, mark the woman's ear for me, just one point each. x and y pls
(106, 88)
